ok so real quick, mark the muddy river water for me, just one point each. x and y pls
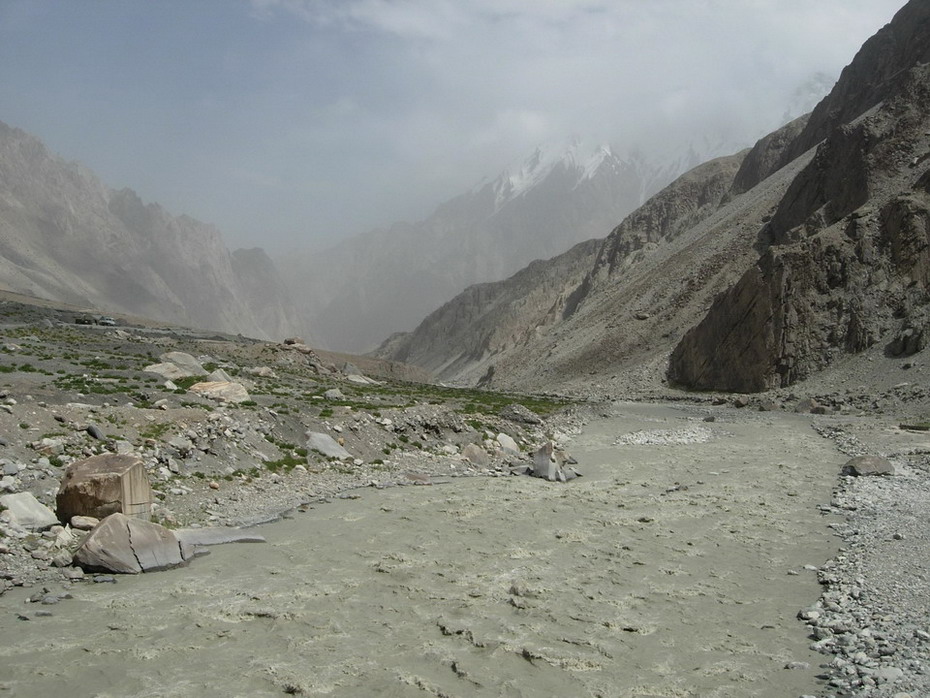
(674, 567)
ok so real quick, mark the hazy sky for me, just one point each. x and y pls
(290, 122)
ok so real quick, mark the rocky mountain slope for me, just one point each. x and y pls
(389, 279)
(65, 236)
(835, 204)
(845, 261)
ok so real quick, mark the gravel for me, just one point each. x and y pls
(873, 618)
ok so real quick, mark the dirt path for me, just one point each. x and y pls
(674, 567)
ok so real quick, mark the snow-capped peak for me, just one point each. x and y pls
(597, 159)
(515, 181)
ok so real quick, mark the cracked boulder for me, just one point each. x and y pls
(102, 485)
(125, 545)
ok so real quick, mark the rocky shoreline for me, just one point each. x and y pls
(874, 614)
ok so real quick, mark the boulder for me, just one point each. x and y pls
(868, 465)
(507, 443)
(551, 464)
(185, 361)
(327, 445)
(221, 391)
(807, 406)
(220, 376)
(358, 379)
(102, 485)
(334, 394)
(175, 365)
(25, 510)
(84, 523)
(477, 455)
(518, 413)
(126, 545)
(545, 464)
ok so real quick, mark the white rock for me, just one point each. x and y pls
(25, 510)
(222, 391)
(507, 443)
(327, 445)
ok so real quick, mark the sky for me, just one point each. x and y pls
(295, 123)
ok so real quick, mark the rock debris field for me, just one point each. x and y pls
(673, 568)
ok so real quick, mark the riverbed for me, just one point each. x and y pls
(674, 567)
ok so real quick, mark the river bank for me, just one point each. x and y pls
(676, 566)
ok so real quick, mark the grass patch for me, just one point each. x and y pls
(186, 382)
(155, 431)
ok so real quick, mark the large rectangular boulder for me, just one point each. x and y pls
(106, 484)
(545, 464)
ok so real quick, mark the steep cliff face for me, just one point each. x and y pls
(677, 208)
(67, 237)
(877, 72)
(846, 252)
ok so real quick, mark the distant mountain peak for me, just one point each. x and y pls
(517, 180)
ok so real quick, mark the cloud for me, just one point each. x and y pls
(311, 119)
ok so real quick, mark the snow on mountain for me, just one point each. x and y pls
(385, 281)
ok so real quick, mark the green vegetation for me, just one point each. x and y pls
(155, 430)
(187, 382)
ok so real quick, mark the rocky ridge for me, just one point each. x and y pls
(748, 275)
(617, 307)
(844, 265)
(67, 237)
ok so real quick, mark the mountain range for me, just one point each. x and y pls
(748, 273)
(65, 236)
(370, 286)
